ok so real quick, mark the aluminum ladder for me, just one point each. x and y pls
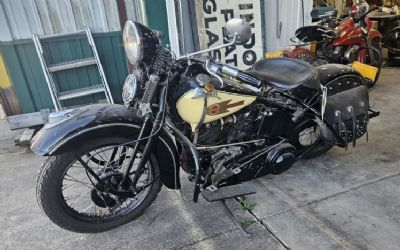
(50, 70)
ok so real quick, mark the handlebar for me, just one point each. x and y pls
(235, 73)
(369, 11)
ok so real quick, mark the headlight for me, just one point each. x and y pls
(132, 43)
(129, 90)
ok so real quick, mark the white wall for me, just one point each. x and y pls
(288, 14)
(290, 17)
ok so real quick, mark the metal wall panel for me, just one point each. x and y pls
(27, 76)
(282, 18)
(19, 19)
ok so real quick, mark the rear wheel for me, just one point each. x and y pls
(74, 200)
(377, 60)
(308, 140)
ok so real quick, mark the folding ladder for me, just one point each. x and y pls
(50, 69)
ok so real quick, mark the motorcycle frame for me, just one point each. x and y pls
(161, 120)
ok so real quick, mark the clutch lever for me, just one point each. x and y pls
(213, 69)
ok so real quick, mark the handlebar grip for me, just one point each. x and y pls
(249, 79)
(240, 75)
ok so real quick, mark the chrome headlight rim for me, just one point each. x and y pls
(130, 89)
(131, 38)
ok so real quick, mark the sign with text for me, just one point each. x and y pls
(211, 17)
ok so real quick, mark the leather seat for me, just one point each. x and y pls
(283, 73)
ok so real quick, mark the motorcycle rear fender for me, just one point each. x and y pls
(329, 72)
(104, 120)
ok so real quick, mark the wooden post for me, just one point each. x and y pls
(8, 98)
(123, 17)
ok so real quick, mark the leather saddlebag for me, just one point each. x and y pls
(347, 108)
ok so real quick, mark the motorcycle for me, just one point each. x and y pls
(222, 126)
(354, 39)
(323, 14)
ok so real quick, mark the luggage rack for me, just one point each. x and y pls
(50, 70)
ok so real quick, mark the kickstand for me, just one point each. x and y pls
(229, 212)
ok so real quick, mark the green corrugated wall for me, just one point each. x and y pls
(157, 17)
(28, 78)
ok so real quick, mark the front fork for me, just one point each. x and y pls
(151, 139)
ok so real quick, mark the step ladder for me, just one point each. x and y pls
(50, 69)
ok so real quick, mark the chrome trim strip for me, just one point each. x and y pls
(231, 144)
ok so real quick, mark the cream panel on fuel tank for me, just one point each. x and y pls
(219, 104)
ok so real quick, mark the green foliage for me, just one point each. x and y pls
(246, 223)
(245, 204)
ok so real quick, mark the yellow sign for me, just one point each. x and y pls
(275, 54)
(4, 78)
(313, 47)
(365, 70)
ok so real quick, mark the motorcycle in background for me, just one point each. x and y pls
(106, 163)
(353, 40)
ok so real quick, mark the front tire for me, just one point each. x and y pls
(51, 197)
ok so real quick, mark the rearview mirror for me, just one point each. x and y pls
(238, 30)
(347, 11)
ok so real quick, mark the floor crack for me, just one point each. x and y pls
(332, 194)
(205, 238)
(264, 225)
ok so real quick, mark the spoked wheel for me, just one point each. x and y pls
(307, 140)
(73, 199)
(376, 62)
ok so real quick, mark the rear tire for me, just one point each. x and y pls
(319, 150)
(375, 43)
(319, 146)
(50, 195)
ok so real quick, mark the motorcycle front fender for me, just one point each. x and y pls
(102, 120)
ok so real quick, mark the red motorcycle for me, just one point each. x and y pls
(354, 39)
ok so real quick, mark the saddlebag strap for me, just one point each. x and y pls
(341, 127)
(324, 99)
(354, 121)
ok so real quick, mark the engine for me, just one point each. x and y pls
(272, 156)
(340, 54)
(237, 127)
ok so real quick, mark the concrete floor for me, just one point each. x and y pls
(341, 200)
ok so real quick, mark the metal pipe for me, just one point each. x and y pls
(231, 144)
(209, 49)
(195, 156)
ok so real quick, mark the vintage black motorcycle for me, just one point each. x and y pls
(106, 163)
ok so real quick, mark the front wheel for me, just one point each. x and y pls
(70, 196)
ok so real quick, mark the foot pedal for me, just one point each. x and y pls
(229, 192)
